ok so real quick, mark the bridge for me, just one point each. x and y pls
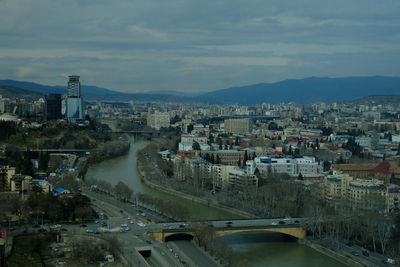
(170, 231)
(61, 150)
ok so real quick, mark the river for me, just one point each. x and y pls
(259, 249)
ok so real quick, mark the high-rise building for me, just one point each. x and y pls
(158, 120)
(74, 110)
(53, 106)
(238, 126)
(74, 86)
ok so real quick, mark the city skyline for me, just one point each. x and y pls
(139, 47)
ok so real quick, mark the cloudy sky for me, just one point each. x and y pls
(193, 46)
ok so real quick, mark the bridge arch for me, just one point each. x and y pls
(297, 232)
(178, 236)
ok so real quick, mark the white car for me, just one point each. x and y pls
(124, 225)
(274, 223)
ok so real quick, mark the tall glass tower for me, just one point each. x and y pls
(74, 86)
(74, 101)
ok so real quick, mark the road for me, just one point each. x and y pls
(192, 253)
(136, 238)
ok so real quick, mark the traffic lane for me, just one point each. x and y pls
(195, 254)
(373, 258)
(166, 258)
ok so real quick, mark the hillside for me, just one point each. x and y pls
(378, 100)
(14, 92)
(307, 90)
(302, 91)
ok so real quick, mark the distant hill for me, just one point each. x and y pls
(305, 91)
(378, 100)
(89, 92)
(302, 91)
(14, 92)
(92, 92)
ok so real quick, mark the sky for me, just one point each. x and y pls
(196, 46)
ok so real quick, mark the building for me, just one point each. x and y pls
(158, 120)
(364, 194)
(53, 107)
(20, 182)
(293, 166)
(6, 173)
(74, 103)
(238, 126)
(240, 179)
(220, 176)
(74, 86)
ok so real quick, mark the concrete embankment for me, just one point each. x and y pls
(207, 202)
(340, 257)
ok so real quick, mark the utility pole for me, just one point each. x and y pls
(2, 250)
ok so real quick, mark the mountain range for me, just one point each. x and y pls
(302, 91)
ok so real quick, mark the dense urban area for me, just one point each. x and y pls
(325, 174)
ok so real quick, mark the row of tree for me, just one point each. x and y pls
(168, 208)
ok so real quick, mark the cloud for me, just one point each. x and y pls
(196, 45)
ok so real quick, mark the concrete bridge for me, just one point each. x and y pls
(61, 150)
(171, 231)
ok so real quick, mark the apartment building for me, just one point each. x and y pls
(366, 194)
(238, 126)
(293, 166)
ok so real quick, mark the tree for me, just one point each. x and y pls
(123, 191)
(196, 146)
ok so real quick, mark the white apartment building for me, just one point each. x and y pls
(188, 140)
(158, 120)
(220, 176)
(307, 166)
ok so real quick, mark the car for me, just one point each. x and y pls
(121, 211)
(148, 242)
(55, 226)
(228, 222)
(124, 225)
(282, 222)
(182, 226)
(63, 230)
(355, 253)
(83, 225)
(296, 221)
(274, 223)
(131, 221)
(89, 231)
(41, 230)
(365, 253)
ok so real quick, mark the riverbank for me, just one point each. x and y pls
(337, 255)
(208, 202)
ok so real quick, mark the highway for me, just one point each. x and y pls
(193, 255)
(136, 237)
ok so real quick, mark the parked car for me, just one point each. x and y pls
(282, 222)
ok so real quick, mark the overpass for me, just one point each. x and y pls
(169, 231)
(61, 150)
